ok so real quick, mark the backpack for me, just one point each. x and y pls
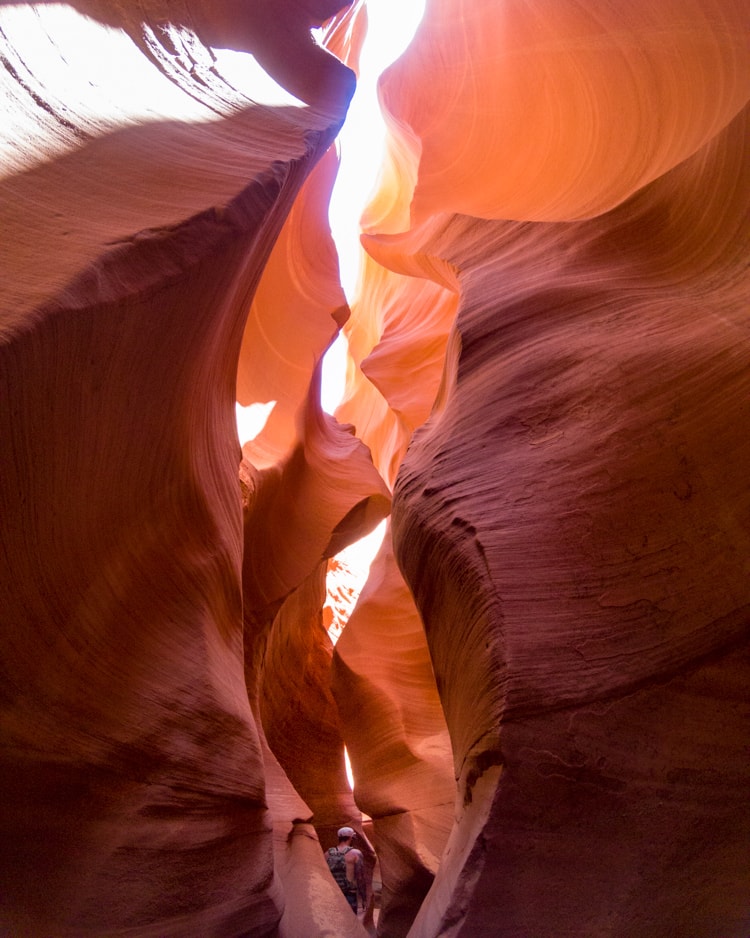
(336, 861)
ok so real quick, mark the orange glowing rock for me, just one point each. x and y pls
(294, 316)
(558, 113)
(572, 521)
(397, 737)
(543, 685)
(135, 228)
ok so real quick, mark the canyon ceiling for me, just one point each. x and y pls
(544, 687)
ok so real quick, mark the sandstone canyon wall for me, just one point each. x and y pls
(544, 684)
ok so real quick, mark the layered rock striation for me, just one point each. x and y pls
(143, 191)
(543, 686)
(573, 517)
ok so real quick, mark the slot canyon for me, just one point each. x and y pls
(544, 684)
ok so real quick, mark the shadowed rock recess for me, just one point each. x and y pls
(544, 686)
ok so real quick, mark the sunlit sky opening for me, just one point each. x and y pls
(347, 573)
(391, 26)
(252, 419)
(348, 767)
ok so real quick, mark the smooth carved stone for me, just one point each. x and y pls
(397, 338)
(294, 316)
(544, 685)
(397, 739)
(134, 233)
(548, 114)
(298, 710)
(299, 717)
(312, 901)
(287, 652)
(284, 541)
(573, 523)
(315, 904)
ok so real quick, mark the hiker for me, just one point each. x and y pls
(347, 866)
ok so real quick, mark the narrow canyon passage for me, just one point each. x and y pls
(543, 304)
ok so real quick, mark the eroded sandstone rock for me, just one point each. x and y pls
(573, 522)
(397, 738)
(135, 229)
(543, 687)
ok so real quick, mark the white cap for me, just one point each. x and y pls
(346, 832)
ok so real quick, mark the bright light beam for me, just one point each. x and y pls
(348, 767)
(391, 26)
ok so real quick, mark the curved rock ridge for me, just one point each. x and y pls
(345, 33)
(287, 651)
(573, 522)
(284, 541)
(302, 723)
(543, 685)
(294, 316)
(526, 112)
(297, 662)
(397, 338)
(141, 195)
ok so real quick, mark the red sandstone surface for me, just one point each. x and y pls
(543, 687)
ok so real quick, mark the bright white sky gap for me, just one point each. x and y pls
(391, 25)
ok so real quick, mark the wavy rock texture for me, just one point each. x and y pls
(142, 193)
(294, 316)
(535, 113)
(543, 686)
(397, 738)
(573, 518)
